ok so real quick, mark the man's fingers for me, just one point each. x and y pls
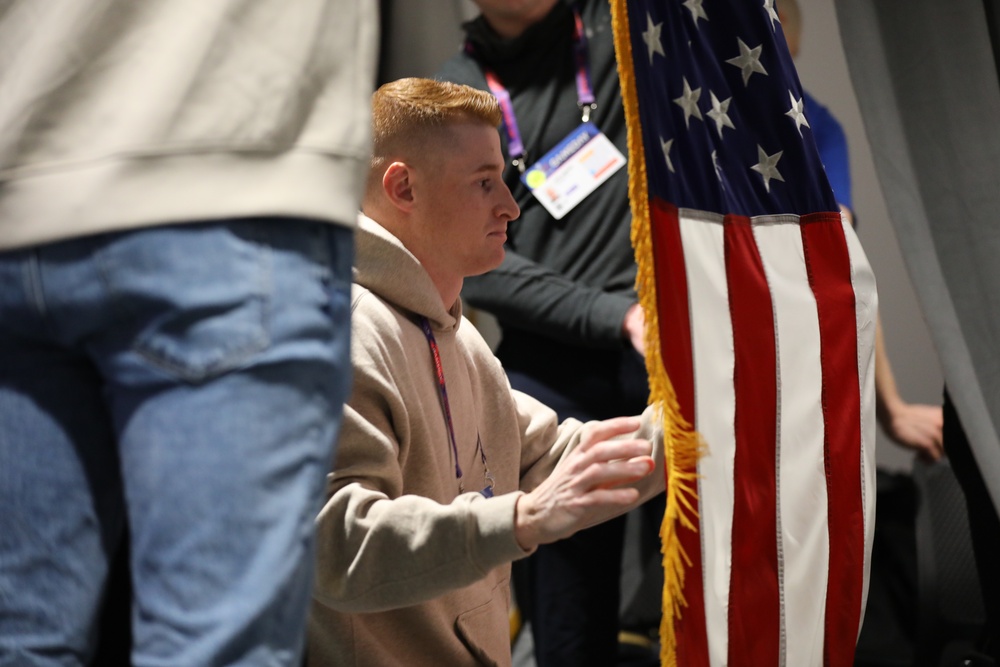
(619, 497)
(609, 474)
(626, 472)
(610, 462)
(608, 429)
(613, 450)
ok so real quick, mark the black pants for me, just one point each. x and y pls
(984, 525)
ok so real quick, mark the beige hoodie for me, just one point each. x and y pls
(117, 114)
(411, 571)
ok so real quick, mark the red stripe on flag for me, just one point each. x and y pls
(675, 343)
(828, 264)
(754, 599)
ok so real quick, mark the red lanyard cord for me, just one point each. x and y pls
(442, 390)
(446, 408)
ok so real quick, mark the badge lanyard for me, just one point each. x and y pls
(584, 92)
(446, 408)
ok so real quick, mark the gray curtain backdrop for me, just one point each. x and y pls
(926, 79)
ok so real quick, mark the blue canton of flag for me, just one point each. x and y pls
(728, 131)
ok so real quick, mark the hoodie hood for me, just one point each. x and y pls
(386, 268)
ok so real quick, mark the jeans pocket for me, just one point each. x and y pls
(194, 297)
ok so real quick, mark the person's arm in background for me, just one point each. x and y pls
(542, 301)
(910, 425)
(913, 426)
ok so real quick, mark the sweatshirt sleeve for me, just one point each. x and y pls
(377, 553)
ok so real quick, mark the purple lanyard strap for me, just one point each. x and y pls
(584, 91)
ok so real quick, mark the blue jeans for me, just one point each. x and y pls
(186, 381)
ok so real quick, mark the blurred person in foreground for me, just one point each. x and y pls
(178, 185)
(445, 475)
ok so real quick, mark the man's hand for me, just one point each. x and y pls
(634, 328)
(916, 427)
(584, 488)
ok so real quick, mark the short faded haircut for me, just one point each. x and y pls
(407, 112)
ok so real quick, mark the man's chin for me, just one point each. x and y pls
(492, 264)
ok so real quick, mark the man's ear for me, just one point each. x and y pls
(397, 183)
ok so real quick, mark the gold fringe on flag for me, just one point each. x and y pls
(682, 446)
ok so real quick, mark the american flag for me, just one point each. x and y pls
(761, 310)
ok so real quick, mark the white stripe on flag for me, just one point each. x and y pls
(866, 295)
(715, 404)
(804, 542)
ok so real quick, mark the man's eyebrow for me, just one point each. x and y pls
(488, 167)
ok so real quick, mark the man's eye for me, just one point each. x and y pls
(485, 184)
